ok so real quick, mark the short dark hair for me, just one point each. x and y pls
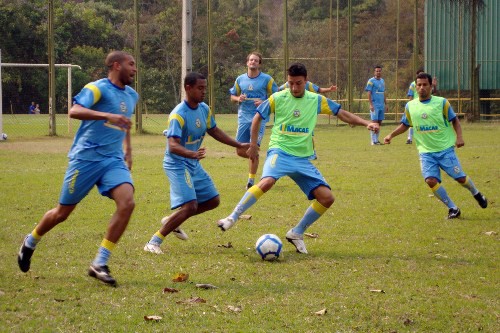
(424, 75)
(420, 70)
(191, 78)
(297, 69)
(377, 66)
(115, 56)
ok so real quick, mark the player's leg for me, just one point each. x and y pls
(410, 136)
(451, 165)
(115, 183)
(49, 220)
(243, 135)
(79, 179)
(429, 163)
(313, 185)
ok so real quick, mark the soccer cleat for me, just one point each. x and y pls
(297, 241)
(24, 256)
(153, 248)
(226, 223)
(102, 273)
(453, 213)
(179, 233)
(481, 200)
(378, 143)
(408, 142)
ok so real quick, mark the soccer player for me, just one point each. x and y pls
(191, 188)
(436, 140)
(250, 90)
(317, 89)
(101, 155)
(295, 113)
(412, 94)
(378, 102)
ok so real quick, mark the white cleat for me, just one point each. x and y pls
(179, 233)
(153, 248)
(226, 223)
(297, 240)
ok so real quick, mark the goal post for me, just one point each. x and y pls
(70, 92)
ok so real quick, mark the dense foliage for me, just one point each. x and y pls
(85, 31)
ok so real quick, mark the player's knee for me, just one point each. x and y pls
(126, 206)
(58, 215)
(191, 208)
(431, 181)
(461, 180)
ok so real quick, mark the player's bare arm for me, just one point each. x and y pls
(222, 137)
(79, 112)
(352, 119)
(399, 130)
(128, 150)
(458, 130)
(175, 147)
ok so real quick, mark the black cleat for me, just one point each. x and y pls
(248, 186)
(453, 213)
(408, 142)
(102, 273)
(481, 200)
(24, 257)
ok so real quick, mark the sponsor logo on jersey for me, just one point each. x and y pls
(293, 129)
(123, 107)
(427, 128)
(296, 113)
(198, 122)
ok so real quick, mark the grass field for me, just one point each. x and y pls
(386, 259)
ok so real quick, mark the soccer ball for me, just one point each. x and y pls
(4, 136)
(269, 247)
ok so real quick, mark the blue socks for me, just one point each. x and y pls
(104, 253)
(312, 213)
(440, 193)
(249, 198)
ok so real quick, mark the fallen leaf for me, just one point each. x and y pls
(313, 235)
(320, 312)
(234, 308)
(245, 217)
(205, 286)
(60, 300)
(491, 233)
(377, 291)
(192, 300)
(170, 290)
(152, 318)
(228, 246)
(408, 322)
(180, 277)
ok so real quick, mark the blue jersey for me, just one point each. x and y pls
(97, 140)
(190, 126)
(412, 90)
(309, 87)
(377, 88)
(260, 87)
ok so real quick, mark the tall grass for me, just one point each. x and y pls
(386, 259)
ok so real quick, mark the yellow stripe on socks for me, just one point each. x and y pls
(108, 245)
(318, 208)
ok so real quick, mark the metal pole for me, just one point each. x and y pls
(187, 61)
(397, 63)
(69, 99)
(137, 56)
(52, 74)
(415, 37)
(459, 57)
(285, 39)
(337, 58)
(211, 88)
(1, 100)
(349, 75)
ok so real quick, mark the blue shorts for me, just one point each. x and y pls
(81, 176)
(300, 169)
(243, 131)
(189, 182)
(377, 114)
(431, 163)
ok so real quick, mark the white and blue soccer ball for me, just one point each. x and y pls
(269, 247)
(4, 136)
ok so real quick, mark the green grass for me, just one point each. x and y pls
(384, 232)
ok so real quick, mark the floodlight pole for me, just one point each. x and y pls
(1, 99)
(187, 61)
(52, 71)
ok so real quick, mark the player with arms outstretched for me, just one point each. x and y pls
(295, 115)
